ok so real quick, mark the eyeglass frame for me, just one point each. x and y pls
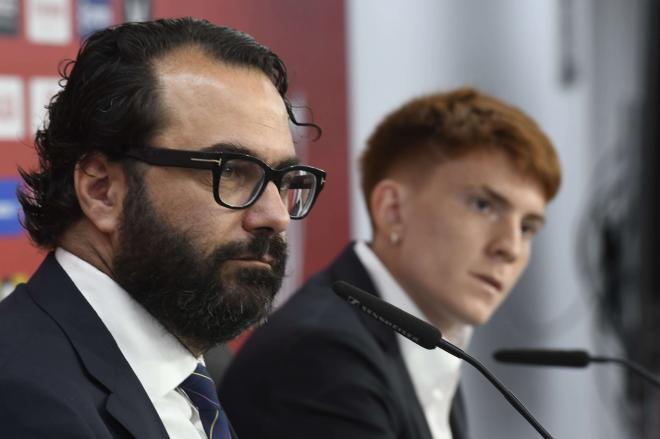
(194, 159)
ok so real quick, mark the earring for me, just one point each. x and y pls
(394, 238)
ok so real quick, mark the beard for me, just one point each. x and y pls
(197, 297)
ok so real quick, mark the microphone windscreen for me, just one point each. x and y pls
(400, 321)
(544, 357)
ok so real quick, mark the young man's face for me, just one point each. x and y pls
(467, 236)
(206, 271)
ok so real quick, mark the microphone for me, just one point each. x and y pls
(543, 357)
(568, 358)
(427, 336)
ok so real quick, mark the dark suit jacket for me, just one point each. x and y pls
(321, 369)
(61, 372)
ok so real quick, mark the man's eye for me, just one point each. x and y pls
(234, 172)
(228, 171)
(481, 204)
(241, 170)
(529, 229)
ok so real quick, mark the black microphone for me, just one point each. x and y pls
(426, 336)
(543, 357)
(568, 358)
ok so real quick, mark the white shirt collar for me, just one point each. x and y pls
(158, 359)
(434, 373)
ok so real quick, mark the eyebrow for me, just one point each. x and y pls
(504, 201)
(242, 149)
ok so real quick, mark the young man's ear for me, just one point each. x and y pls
(385, 205)
(100, 186)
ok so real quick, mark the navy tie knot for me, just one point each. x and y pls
(200, 388)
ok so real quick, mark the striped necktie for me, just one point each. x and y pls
(200, 388)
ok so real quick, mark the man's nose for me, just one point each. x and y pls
(268, 213)
(507, 240)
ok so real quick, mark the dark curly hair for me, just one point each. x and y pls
(109, 101)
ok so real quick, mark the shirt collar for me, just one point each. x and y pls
(434, 373)
(158, 359)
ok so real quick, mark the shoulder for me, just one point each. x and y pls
(57, 415)
(314, 370)
(25, 328)
(36, 353)
(41, 376)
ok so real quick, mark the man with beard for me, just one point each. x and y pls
(456, 185)
(167, 178)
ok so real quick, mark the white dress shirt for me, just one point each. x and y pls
(158, 359)
(434, 373)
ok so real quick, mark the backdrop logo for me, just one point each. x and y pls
(8, 17)
(48, 21)
(94, 15)
(137, 10)
(9, 208)
(11, 108)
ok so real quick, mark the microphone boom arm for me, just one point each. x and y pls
(513, 400)
(568, 358)
(630, 365)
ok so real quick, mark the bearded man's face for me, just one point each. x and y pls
(198, 294)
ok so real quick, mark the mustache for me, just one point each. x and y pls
(258, 247)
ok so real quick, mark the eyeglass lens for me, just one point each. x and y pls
(241, 181)
(299, 187)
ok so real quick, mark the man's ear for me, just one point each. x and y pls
(100, 185)
(385, 204)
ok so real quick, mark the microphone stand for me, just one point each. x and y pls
(629, 364)
(568, 358)
(515, 402)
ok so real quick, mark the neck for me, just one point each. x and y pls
(196, 349)
(89, 245)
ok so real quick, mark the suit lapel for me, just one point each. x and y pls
(128, 403)
(457, 417)
(347, 267)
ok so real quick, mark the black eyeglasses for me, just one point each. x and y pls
(239, 179)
